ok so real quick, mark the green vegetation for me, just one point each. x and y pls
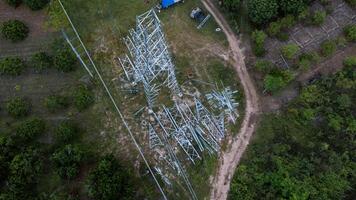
(258, 38)
(64, 60)
(289, 51)
(262, 11)
(292, 6)
(350, 32)
(328, 48)
(56, 103)
(264, 66)
(18, 107)
(83, 97)
(11, 66)
(109, 180)
(14, 30)
(350, 62)
(66, 131)
(318, 18)
(30, 129)
(277, 79)
(36, 4)
(351, 2)
(67, 161)
(305, 152)
(232, 5)
(14, 3)
(307, 59)
(41, 61)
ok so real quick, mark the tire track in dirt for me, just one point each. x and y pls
(229, 159)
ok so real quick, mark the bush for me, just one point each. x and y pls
(287, 21)
(350, 62)
(83, 97)
(274, 28)
(14, 3)
(30, 128)
(289, 51)
(232, 5)
(65, 61)
(258, 38)
(264, 66)
(350, 33)
(14, 30)
(276, 80)
(262, 11)
(55, 103)
(292, 6)
(351, 2)
(318, 18)
(328, 48)
(41, 61)
(18, 107)
(36, 4)
(11, 66)
(66, 131)
(109, 180)
(67, 161)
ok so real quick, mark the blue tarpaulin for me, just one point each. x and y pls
(167, 3)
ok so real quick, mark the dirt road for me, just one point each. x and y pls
(229, 158)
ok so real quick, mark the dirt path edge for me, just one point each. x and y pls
(229, 159)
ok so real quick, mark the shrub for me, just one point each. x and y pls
(67, 161)
(14, 30)
(318, 18)
(328, 48)
(292, 6)
(18, 107)
(65, 61)
(56, 102)
(274, 28)
(11, 66)
(232, 5)
(287, 21)
(66, 131)
(109, 180)
(351, 2)
(83, 97)
(350, 62)
(41, 61)
(264, 66)
(14, 3)
(259, 37)
(276, 80)
(283, 36)
(36, 4)
(262, 11)
(30, 128)
(289, 51)
(350, 33)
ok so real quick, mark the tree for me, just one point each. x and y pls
(55, 103)
(264, 66)
(289, 51)
(67, 161)
(318, 18)
(258, 38)
(18, 107)
(274, 28)
(350, 62)
(65, 61)
(328, 48)
(14, 3)
(344, 101)
(231, 5)
(41, 61)
(262, 11)
(30, 128)
(14, 30)
(12, 66)
(350, 33)
(351, 2)
(292, 6)
(66, 131)
(83, 97)
(273, 83)
(36, 4)
(109, 181)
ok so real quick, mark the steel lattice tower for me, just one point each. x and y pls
(149, 58)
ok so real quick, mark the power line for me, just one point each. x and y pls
(114, 102)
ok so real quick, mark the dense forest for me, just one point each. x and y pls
(308, 150)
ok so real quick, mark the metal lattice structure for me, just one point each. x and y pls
(149, 58)
(224, 100)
